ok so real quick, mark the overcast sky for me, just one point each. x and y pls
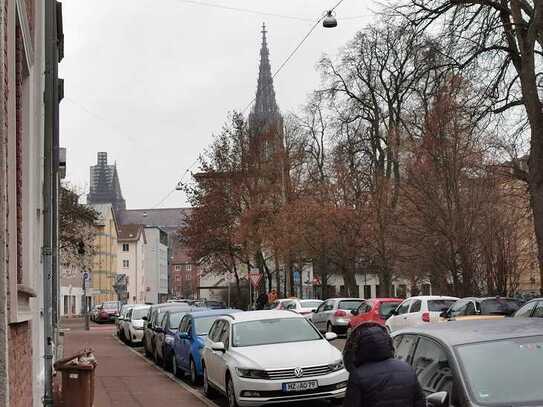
(150, 81)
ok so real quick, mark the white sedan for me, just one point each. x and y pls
(303, 307)
(262, 357)
(418, 311)
(133, 324)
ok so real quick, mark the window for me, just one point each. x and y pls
(225, 335)
(458, 308)
(72, 303)
(177, 267)
(432, 367)
(66, 304)
(126, 247)
(470, 308)
(403, 347)
(188, 267)
(415, 306)
(367, 291)
(178, 279)
(526, 311)
(126, 263)
(439, 305)
(216, 331)
(538, 313)
(364, 308)
(349, 305)
(426, 289)
(271, 331)
(403, 308)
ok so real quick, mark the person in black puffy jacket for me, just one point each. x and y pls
(377, 379)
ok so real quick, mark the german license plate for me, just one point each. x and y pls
(300, 386)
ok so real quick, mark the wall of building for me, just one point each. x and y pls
(105, 264)
(135, 256)
(156, 265)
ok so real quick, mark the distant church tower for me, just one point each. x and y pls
(104, 184)
(265, 120)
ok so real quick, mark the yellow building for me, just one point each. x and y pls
(105, 262)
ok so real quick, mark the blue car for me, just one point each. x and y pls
(189, 341)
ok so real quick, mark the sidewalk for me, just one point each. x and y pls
(124, 378)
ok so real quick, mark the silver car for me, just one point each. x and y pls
(334, 314)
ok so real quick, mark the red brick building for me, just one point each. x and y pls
(184, 273)
(22, 204)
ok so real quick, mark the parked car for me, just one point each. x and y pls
(303, 307)
(419, 310)
(153, 320)
(164, 336)
(334, 314)
(121, 319)
(481, 308)
(108, 311)
(94, 312)
(281, 303)
(133, 324)
(189, 341)
(210, 304)
(374, 310)
(242, 358)
(476, 363)
(532, 309)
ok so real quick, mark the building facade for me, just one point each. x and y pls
(22, 203)
(156, 265)
(185, 273)
(71, 297)
(105, 262)
(132, 247)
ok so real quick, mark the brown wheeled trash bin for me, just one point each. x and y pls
(77, 379)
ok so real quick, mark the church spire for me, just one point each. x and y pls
(265, 103)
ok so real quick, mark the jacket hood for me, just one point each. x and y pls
(367, 344)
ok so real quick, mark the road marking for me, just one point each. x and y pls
(170, 376)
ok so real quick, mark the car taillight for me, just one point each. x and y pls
(340, 313)
(425, 317)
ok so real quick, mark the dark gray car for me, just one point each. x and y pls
(153, 320)
(492, 363)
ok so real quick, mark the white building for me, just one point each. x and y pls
(132, 247)
(156, 265)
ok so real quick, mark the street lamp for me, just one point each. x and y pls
(330, 20)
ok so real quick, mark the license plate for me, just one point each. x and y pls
(300, 386)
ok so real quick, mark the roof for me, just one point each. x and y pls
(171, 305)
(432, 297)
(262, 315)
(464, 332)
(215, 312)
(346, 299)
(140, 306)
(130, 233)
(168, 219)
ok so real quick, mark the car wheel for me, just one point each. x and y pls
(208, 390)
(230, 392)
(194, 379)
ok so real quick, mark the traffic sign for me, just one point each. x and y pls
(255, 277)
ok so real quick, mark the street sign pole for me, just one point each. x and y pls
(85, 284)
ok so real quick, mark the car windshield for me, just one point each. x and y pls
(349, 305)
(310, 304)
(110, 305)
(175, 319)
(271, 331)
(139, 313)
(202, 325)
(499, 306)
(439, 305)
(386, 308)
(514, 378)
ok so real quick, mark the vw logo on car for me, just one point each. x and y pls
(298, 372)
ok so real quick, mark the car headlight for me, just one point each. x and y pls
(252, 373)
(334, 367)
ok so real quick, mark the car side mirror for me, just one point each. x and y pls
(314, 310)
(330, 336)
(438, 399)
(355, 312)
(393, 313)
(218, 347)
(445, 315)
(144, 318)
